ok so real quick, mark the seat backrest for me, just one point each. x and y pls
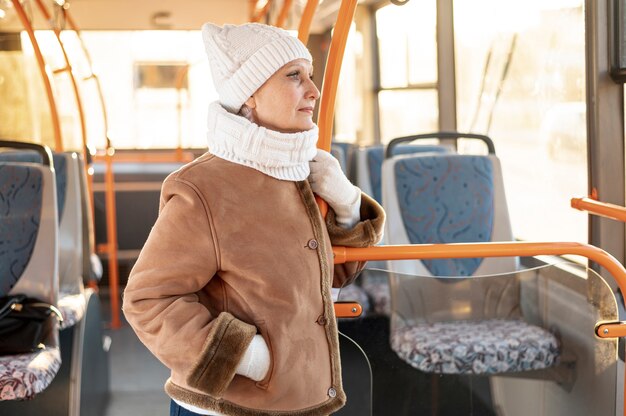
(369, 162)
(446, 198)
(28, 231)
(340, 155)
(67, 173)
(92, 266)
(68, 197)
(348, 152)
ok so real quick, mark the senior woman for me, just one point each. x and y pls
(232, 290)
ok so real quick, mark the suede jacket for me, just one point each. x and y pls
(234, 253)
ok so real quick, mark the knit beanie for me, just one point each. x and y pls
(243, 57)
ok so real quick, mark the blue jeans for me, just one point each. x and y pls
(176, 410)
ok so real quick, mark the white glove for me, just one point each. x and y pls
(329, 182)
(255, 362)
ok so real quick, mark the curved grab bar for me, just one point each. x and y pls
(331, 72)
(306, 19)
(331, 80)
(42, 149)
(603, 209)
(284, 11)
(469, 250)
(256, 17)
(41, 64)
(440, 135)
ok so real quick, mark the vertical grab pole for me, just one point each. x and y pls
(331, 79)
(109, 196)
(305, 22)
(56, 124)
(280, 22)
(111, 216)
(333, 69)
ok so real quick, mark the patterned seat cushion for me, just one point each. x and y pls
(481, 347)
(354, 293)
(23, 376)
(72, 307)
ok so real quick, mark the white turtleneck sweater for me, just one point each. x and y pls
(284, 156)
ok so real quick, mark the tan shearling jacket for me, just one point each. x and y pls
(234, 253)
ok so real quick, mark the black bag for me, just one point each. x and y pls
(25, 324)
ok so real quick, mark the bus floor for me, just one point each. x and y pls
(136, 377)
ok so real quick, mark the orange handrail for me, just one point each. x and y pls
(284, 11)
(331, 73)
(603, 209)
(68, 69)
(469, 250)
(331, 79)
(109, 195)
(178, 155)
(56, 124)
(305, 21)
(111, 221)
(255, 18)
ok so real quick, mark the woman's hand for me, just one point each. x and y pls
(329, 182)
(255, 362)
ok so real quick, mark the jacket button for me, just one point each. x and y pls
(321, 320)
(312, 244)
(332, 392)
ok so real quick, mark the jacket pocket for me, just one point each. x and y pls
(262, 326)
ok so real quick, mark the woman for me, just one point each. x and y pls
(232, 290)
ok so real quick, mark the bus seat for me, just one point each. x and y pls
(369, 162)
(71, 296)
(452, 198)
(29, 267)
(348, 151)
(71, 301)
(92, 265)
(340, 155)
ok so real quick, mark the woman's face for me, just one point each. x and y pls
(286, 101)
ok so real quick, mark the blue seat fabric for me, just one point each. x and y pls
(20, 214)
(446, 199)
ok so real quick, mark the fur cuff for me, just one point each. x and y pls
(365, 233)
(226, 344)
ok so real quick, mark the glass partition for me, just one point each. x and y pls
(509, 344)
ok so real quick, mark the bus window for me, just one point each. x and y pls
(19, 87)
(349, 125)
(407, 49)
(520, 70)
(141, 116)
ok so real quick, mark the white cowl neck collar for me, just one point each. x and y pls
(283, 156)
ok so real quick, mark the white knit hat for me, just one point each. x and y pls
(243, 57)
